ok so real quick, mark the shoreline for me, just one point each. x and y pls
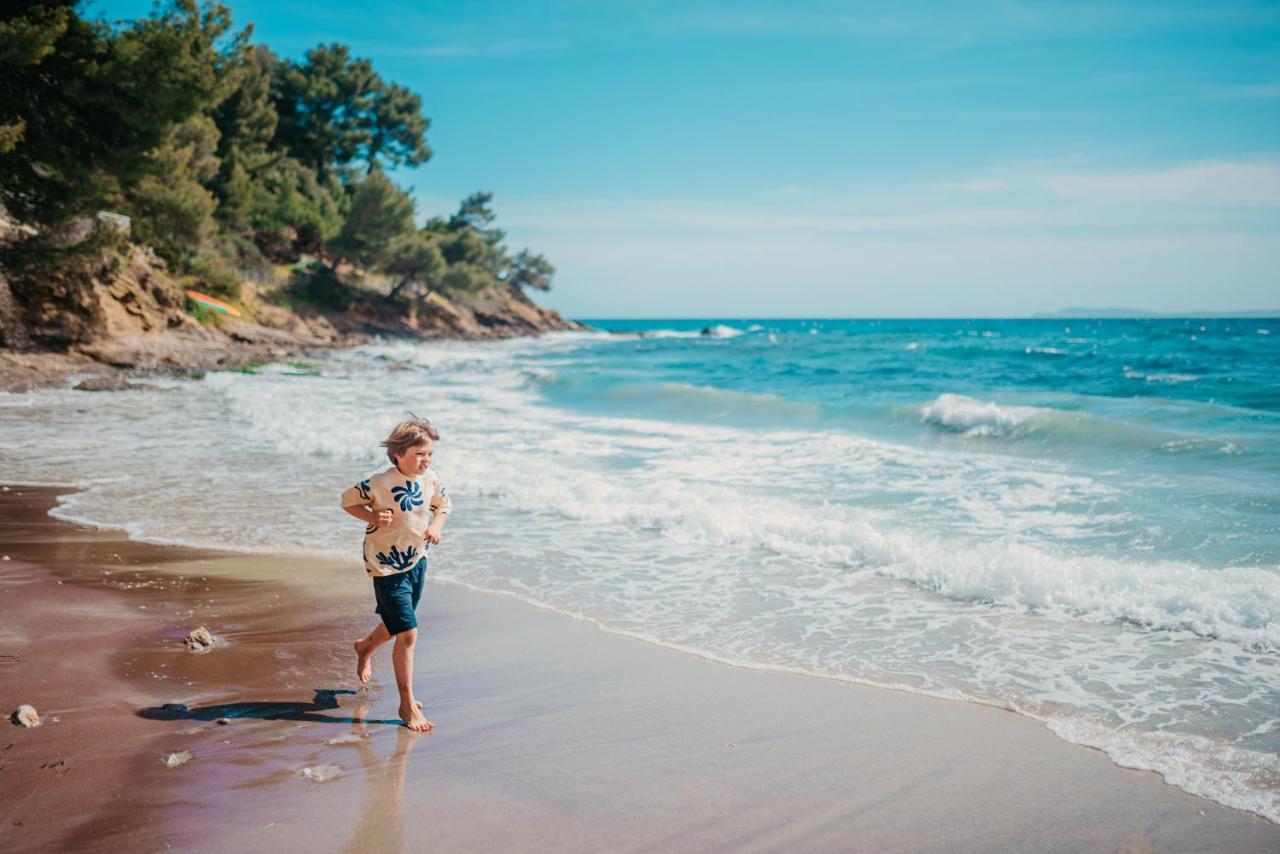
(111, 364)
(551, 734)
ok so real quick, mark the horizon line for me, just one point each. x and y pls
(1269, 314)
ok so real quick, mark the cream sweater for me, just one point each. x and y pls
(413, 501)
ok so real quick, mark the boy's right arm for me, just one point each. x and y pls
(381, 518)
(355, 501)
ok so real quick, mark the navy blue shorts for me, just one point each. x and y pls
(397, 597)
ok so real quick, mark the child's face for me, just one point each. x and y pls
(417, 459)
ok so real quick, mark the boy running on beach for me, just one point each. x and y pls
(401, 524)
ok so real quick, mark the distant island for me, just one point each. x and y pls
(1074, 312)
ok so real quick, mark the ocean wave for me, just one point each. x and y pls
(1236, 604)
(718, 330)
(1068, 430)
(972, 417)
(1160, 377)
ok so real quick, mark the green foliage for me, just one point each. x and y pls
(415, 261)
(93, 102)
(474, 213)
(465, 278)
(380, 213)
(210, 274)
(335, 111)
(246, 122)
(294, 211)
(474, 239)
(226, 155)
(171, 209)
(465, 247)
(318, 287)
(529, 270)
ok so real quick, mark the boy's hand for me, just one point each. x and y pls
(432, 535)
(383, 518)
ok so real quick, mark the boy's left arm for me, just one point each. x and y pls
(441, 506)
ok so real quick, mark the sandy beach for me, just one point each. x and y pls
(551, 735)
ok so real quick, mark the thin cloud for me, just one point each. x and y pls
(974, 186)
(961, 24)
(1208, 183)
(468, 50)
(688, 215)
(1256, 92)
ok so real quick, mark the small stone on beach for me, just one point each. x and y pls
(319, 773)
(223, 721)
(25, 716)
(181, 757)
(199, 640)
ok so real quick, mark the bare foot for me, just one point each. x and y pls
(411, 714)
(364, 660)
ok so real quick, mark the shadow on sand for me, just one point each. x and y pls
(325, 700)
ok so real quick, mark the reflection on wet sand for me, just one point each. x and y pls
(381, 824)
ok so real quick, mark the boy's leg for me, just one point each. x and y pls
(365, 648)
(402, 660)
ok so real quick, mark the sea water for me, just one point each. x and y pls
(1078, 520)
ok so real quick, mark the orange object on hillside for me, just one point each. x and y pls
(215, 304)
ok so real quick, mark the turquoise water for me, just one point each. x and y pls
(1075, 520)
(1181, 416)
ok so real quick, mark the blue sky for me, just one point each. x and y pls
(845, 159)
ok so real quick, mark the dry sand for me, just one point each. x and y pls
(551, 735)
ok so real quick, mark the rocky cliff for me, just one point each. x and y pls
(118, 312)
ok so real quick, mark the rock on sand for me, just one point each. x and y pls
(26, 716)
(199, 640)
(173, 760)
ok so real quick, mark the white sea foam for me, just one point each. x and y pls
(1240, 778)
(974, 417)
(1160, 377)
(722, 331)
(719, 330)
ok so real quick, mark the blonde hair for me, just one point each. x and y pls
(409, 434)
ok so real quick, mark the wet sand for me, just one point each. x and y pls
(551, 735)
